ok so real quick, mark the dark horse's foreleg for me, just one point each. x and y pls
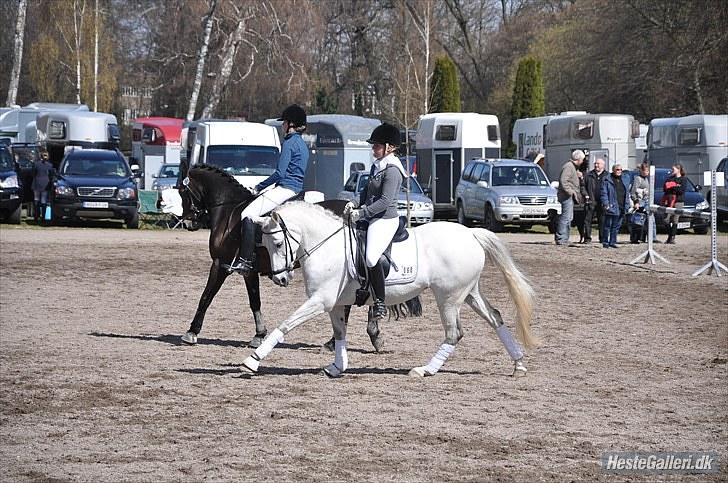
(215, 279)
(372, 330)
(252, 283)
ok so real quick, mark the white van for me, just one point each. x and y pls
(249, 151)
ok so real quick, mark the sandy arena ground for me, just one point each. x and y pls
(97, 387)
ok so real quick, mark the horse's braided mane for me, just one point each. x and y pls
(224, 177)
(310, 206)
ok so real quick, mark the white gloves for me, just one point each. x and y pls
(351, 214)
(354, 215)
(253, 190)
(348, 208)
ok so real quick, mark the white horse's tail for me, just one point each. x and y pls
(518, 286)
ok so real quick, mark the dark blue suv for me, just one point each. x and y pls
(95, 184)
(11, 188)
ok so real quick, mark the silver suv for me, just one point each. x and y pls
(505, 191)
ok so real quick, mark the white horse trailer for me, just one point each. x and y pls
(155, 141)
(58, 130)
(248, 151)
(607, 136)
(697, 142)
(446, 141)
(19, 123)
(528, 134)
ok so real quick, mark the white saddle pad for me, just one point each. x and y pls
(404, 258)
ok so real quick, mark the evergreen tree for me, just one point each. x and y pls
(528, 95)
(445, 87)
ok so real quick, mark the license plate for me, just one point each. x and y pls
(533, 211)
(95, 204)
(683, 225)
(14, 197)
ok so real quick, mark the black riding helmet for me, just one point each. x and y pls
(294, 114)
(385, 134)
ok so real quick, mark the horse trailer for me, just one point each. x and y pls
(58, 130)
(338, 146)
(155, 141)
(698, 142)
(446, 141)
(19, 123)
(607, 136)
(248, 151)
(528, 134)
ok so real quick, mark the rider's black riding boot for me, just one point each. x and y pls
(376, 279)
(244, 263)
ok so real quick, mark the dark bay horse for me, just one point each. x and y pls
(212, 194)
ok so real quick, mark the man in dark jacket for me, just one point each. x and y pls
(593, 205)
(616, 202)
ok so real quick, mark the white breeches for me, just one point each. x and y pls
(266, 202)
(379, 234)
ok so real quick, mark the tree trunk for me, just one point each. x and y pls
(18, 53)
(231, 49)
(78, 30)
(698, 90)
(201, 58)
(96, 57)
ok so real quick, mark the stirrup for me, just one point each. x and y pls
(240, 265)
(379, 310)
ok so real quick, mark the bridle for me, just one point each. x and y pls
(291, 260)
(197, 207)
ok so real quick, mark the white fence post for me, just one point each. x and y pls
(713, 265)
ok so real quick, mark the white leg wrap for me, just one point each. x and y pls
(442, 354)
(252, 362)
(513, 348)
(340, 358)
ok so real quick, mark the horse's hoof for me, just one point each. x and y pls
(189, 338)
(332, 371)
(378, 343)
(329, 346)
(255, 342)
(519, 369)
(417, 372)
(251, 364)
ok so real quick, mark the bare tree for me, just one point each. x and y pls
(17, 52)
(423, 19)
(96, 56)
(201, 59)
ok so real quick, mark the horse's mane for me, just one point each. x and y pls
(310, 207)
(209, 171)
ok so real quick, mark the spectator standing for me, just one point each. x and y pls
(674, 189)
(615, 203)
(640, 194)
(568, 194)
(42, 173)
(592, 203)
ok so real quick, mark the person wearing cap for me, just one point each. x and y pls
(377, 206)
(569, 193)
(285, 183)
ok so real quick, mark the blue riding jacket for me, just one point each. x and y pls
(291, 167)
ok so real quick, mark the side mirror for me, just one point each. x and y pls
(698, 187)
(155, 175)
(483, 184)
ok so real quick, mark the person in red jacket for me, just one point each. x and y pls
(674, 197)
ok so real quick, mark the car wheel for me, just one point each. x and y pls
(133, 222)
(461, 216)
(700, 230)
(490, 221)
(14, 217)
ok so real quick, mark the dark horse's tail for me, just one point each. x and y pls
(411, 308)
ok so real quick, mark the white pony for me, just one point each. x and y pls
(451, 259)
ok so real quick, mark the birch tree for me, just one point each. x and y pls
(201, 59)
(17, 52)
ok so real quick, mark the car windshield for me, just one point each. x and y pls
(25, 156)
(414, 185)
(661, 176)
(6, 160)
(518, 176)
(169, 171)
(244, 160)
(115, 168)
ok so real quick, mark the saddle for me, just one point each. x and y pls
(386, 259)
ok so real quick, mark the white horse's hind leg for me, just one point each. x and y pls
(310, 309)
(341, 361)
(493, 316)
(449, 314)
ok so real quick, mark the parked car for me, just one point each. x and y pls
(25, 157)
(11, 188)
(166, 178)
(721, 192)
(421, 208)
(694, 200)
(505, 191)
(95, 184)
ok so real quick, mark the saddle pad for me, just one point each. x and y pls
(404, 257)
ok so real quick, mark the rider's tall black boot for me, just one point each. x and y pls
(376, 280)
(244, 262)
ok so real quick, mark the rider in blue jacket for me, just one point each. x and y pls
(287, 182)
